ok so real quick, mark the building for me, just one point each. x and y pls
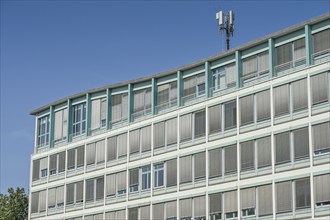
(243, 134)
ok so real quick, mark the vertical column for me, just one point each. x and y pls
(36, 135)
(308, 44)
(69, 123)
(51, 126)
(180, 88)
(271, 61)
(130, 102)
(238, 68)
(153, 96)
(88, 114)
(108, 109)
(208, 79)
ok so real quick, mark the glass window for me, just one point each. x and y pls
(247, 155)
(110, 185)
(224, 77)
(171, 131)
(43, 131)
(61, 125)
(159, 175)
(230, 204)
(200, 207)
(248, 202)
(230, 115)
(119, 110)
(171, 210)
(215, 161)
(98, 113)
(283, 197)
(133, 213)
(301, 143)
(303, 193)
(320, 88)
(142, 102)
(146, 177)
(215, 206)
(255, 65)
(281, 100)
(171, 172)
(321, 42)
(215, 119)
(265, 201)
(134, 180)
(200, 166)
(112, 148)
(230, 159)
(166, 95)
(134, 141)
(282, 146)
(185, 169)
(185, 209)
(199, 124)
(299, 95)
(159, 135)
(185, 127)
(193, 87)
(79, 119)
(290, 55)
(247, 110)
(263, 105)
(158, 211)
(264, 152)
(322, 190)
(321, 138)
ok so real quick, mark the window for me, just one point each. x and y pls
(111, 185)
(230, 159)
(140, 140)
(133, 213)
(200, 166)
(146, 178)
(56, 197)
(320, 88)
(230, 115)
(43, 131)
(185, 209)
(290, 55)
(255, 65)
(119, 109)
(265, 201)
(94, 217)
(283, 197)
(117, 147)
(159, 175)
(321, 44)
(57, 163)
(247, 155)
(166, 95)
(214, 119)
(79, 119)
(224, 77)
(185, 169)
(38, 202)
(61, 125)
(171, 172)
(263, 105)
(193, 87)
(321, 138)
(134, 180)
(199, 208)
(247, 109)
(230, 204)
(171, 210)
(248, 202)
(116, 215)
(142, 102)
(145, 212)
(303, 193)
(281, 100)
(264, 152)
(121, 183)
(192, 126)
(74, 193)
(215, 202)
(99, 111)
(95, 153)
(94, 189)
(158, 211)
(285, 147)
(76, 158)
(40, 169)
(322, 190)
(43, 167)
(215, 162)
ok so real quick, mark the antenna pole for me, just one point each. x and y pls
(226, 24)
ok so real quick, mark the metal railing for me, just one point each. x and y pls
(142, 113)
(216, 91)
(166, 105)
(255, 77)
(290, 66)
(321, 57)
(189, 99)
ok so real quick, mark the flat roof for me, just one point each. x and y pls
(189, 66)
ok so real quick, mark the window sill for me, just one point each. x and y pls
(320, 108)
(193, 142)
(292, 165)
(322, 210)
(291, 116)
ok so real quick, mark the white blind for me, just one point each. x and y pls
(214, 119)
(171, 209)
(283, 197)
(171, 131)
(96, 110)
(171, 171)
(321, 41)
(111, 184)
(100, 151)
(134, 141)
(200, 206)
(122, 145)
(185, 208)
(185, 169)
(185, 127)
(146, 139)
(230, 73)
(121, 180)
(215, 161)
(145, 212)
(299, 94)
(263, 62)
(230, 201)
(43, 163)
(249, 65)
(159, 135)
(265, 201)
(52, 197)
(200, 166)
(42, 201)
(248, 198)
(263, 105)
(158, 211)
(231, 159)
(321, 188)
(90, 154)
(112, 148)
(60, 195)
(321, 137)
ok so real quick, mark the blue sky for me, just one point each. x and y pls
(52, 49)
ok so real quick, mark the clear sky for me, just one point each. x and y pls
(53, 49)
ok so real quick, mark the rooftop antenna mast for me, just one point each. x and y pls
(226, 23)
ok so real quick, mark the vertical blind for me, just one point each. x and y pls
(112, 148)
(321, 41)
(215, 203)
(230, 201)
(281, 99)
(321, 188)
(146, 139)
(159, 135)
(248, 198)
(215, 119)
(231, 159)
(263, 105)
(299, 95)
(246, 109)
(110, 184)
(200, 206)
(215, 161)
(283, 197)
(247, 155)
(145, 213)
(264, 152)
(158, 211)
(122, 145)
(185, 169)
(171, 131)
(301, 143)
(185, 208)
(230, 115)
(303, 193)
(321, 137)
(320, 88)
(134, 141)
(185, 127)
(171, 172)
(199, 124)
(282, 146)
(171, 209)
(200, 167)
(265, 201)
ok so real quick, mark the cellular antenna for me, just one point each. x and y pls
(226, 23)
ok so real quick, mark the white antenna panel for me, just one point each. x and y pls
(219, 17)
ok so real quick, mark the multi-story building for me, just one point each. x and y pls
(243, 134)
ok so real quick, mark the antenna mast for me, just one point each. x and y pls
(226, 24)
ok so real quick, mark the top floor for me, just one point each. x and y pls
(92, 112)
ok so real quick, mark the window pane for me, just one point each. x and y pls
(122, 145)
(90, 154)
(246, 109)
(322, 189)
(171, 172)
(215, 161)
(247, 155)
(284, 197)
(320, 88)
(90, 190)
(321, 41)
(134, 141)
(199, 206)
(159, 135)
(171, 131)
(200, 124)
(263, 105)
(284, 54)
(281, 99)
(215, 203)
(158, 211)
(301, 143)
(230, 200)
(230, 115)
(185, 208)
(112, 148)
(248, 198)
(185, 169)
(299, 95)
(265, 200)
(321, 137)
(100, 151)
(215, 119)
(303, 193)
(185, 127)
(231, 159)
(100, 188)
(282, 145)
(111, 185)
(171, 209)
(146, 139)
(264, 152)
(200, 168)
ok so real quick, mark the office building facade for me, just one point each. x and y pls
(243, 134)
